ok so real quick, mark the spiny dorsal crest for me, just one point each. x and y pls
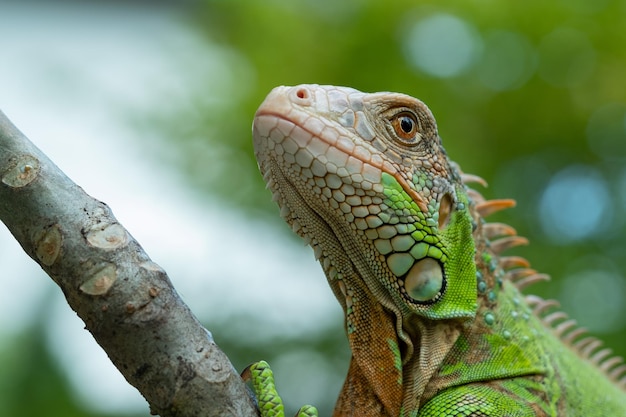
(502, 237)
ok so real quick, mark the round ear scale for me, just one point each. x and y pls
(425, 281)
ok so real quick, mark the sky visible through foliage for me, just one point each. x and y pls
(529, 95)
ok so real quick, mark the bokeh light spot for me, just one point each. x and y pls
(575, 205)
(621, 189)
(508, 61)
(600, 287)
(566, 57)
(606, 131)
(442, 45)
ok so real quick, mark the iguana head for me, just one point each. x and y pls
(365, 180)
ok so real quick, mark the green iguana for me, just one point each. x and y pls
(434, 315)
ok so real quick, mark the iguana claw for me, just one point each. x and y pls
(269, 402)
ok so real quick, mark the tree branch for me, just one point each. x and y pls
(126, 301)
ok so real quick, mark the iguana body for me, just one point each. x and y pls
(435, 320)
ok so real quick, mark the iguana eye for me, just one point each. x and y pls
(406, 127)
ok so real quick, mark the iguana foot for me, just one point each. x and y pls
(269, 402)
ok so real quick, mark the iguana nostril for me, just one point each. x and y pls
(301, 95)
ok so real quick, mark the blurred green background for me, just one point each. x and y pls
(530, 96)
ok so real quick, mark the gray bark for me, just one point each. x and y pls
(126, 301)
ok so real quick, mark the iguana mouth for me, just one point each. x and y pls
(337, 144)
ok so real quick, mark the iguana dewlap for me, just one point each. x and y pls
(434, 315)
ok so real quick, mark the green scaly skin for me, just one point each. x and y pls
(434, 318)
(269, 402)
